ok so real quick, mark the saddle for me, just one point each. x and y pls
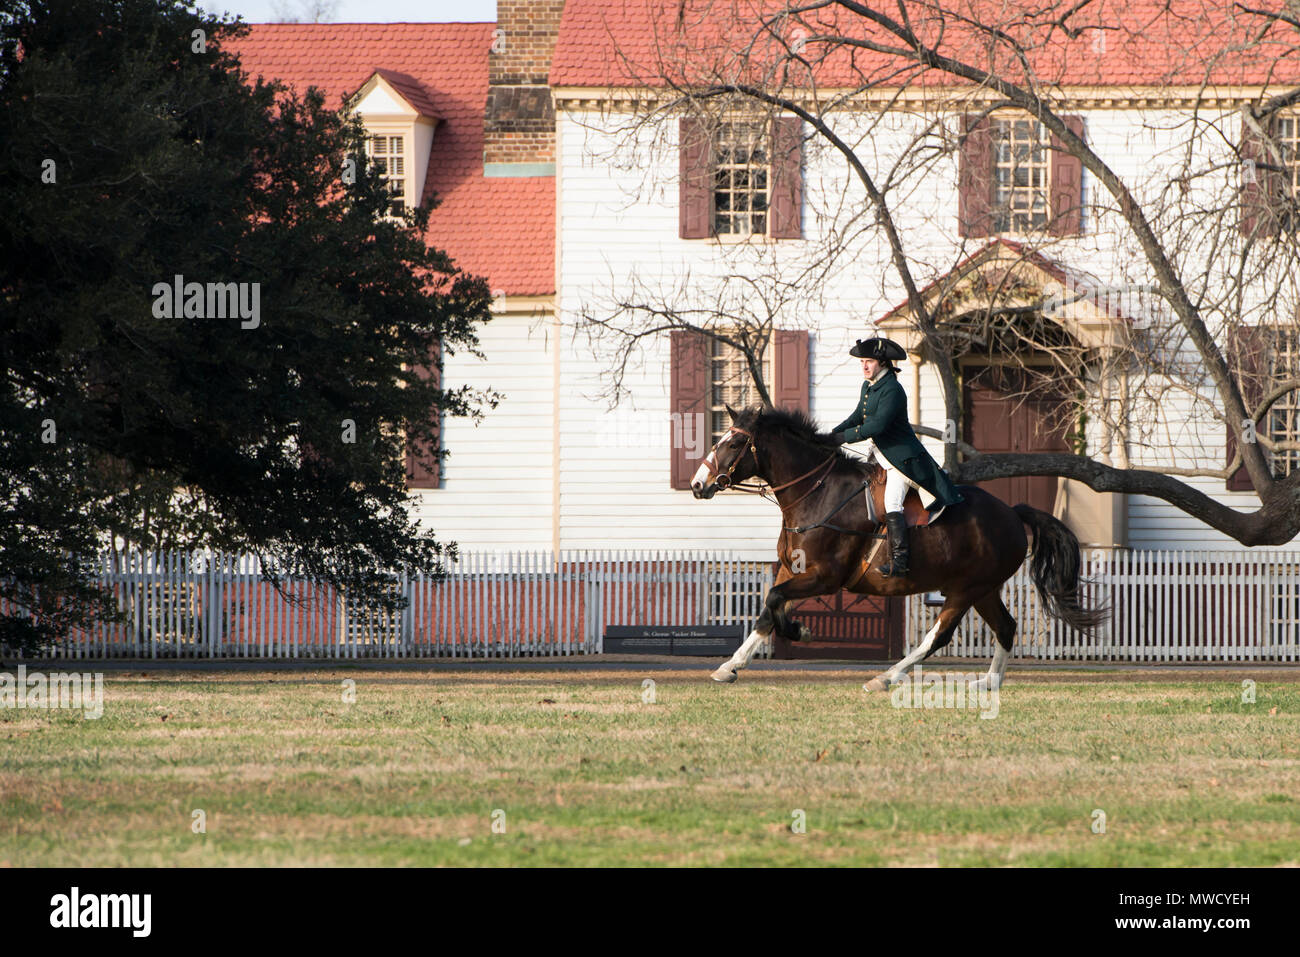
(916, 514)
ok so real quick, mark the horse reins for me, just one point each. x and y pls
(763, 490)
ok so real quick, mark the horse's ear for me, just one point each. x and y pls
(731, 412)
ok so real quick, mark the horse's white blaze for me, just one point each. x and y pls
(701, 476)
(710, 467)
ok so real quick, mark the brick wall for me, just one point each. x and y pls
(519, 120)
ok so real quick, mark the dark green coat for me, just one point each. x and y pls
(881, 415)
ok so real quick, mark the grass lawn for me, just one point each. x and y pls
(577, 769)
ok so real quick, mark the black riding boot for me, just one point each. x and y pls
(896, 523)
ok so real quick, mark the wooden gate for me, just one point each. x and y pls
(845, 625)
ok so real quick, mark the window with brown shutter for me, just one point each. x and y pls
(740, 178)
(1270, 176)
(708, 374)
(423, 471)
(975, 178)
(688, 404)
(790, 369)
(1014, 178)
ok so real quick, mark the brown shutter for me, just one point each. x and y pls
(975, 178)
(1261, 186)
(422, 472)
(790, 369)
(1067, 184)
(786, 207)
(1246, 355)
(689, 405)
(695, 200)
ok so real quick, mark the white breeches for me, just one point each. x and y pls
(895, 489)
(896, 484)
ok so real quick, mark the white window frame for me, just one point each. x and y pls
(739, 180)
(407, 180)
(1008, 219)
(732, 383)
(1283, 418)
(1286, 133)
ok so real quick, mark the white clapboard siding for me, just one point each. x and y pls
(617, 204)
(497, 481)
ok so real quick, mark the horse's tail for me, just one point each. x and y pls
(1055, 570)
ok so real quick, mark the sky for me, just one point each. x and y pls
(367, 11)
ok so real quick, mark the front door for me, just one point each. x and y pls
(999, 419)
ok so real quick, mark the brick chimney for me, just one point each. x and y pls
(519, 122)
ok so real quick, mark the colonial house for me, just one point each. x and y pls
(554, 185)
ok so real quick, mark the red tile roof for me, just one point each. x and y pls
(1121, 43)
(500, 227)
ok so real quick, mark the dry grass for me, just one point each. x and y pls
(584, 772)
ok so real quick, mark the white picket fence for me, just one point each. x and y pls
(201, 605)
(1166, 606)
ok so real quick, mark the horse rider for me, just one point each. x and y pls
(881, 417)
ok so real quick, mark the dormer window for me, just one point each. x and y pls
(388, 154)
(399, 116)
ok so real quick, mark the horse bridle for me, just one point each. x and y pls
(719, 475)
(724, 478)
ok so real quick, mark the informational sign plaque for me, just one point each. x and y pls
(709, 640)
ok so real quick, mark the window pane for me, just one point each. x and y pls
(741, 178)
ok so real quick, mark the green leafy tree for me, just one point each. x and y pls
(134, 151)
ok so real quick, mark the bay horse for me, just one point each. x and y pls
(829, 526)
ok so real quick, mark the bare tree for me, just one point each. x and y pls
(1195, 259)
(305, 11)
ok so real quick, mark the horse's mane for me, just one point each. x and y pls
(795, 421)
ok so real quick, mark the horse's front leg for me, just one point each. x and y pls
(804, 585)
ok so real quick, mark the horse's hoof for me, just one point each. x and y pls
(804, 633)
(876, 684)
(724, 675)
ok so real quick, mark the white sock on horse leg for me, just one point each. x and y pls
(893, 673)
(746, 651)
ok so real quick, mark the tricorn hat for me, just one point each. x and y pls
(883, 349)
